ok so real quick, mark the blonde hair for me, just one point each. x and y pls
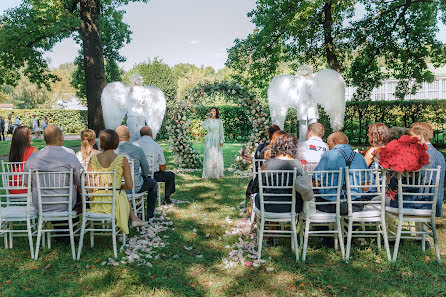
(422, 129)
(87, 136)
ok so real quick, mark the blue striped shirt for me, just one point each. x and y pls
(437, 159)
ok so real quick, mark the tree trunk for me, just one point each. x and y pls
(327, 23)
(93, 62)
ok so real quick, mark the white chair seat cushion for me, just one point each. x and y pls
(139, 195)
(273, 215)
(98, 215)
(19, 212)
(369, 211)
(410, 211)
(58, 213)
(322, 216)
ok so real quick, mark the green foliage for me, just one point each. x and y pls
(156, 73)
(402, 34)
(71, 121)
(34, 27)
(28, 95)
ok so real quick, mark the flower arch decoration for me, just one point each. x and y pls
(180, 119)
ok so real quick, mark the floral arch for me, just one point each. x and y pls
(180, 119)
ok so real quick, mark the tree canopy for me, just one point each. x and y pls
(327, 33)
(35, 26)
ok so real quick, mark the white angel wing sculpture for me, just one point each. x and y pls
(304, 92)
(113, 101)
(155, 109)
(328, 90)
(143, 105)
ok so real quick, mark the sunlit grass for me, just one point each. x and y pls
(324, 273)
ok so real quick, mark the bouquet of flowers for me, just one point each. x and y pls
(404, 154)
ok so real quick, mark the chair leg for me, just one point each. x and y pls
(434, 235)
(11, 227)
(423, 243)
(397, 240)
(115, 249)
(260, 238)
(294, 238)
(30, 238)
(301, 232)
(92, 234)
(39, 235)
(385, 237)
(307, 230)
(349, 239)
(81, 237)
(340, 237)
(73, 247)
(48, 235)
(378, 237)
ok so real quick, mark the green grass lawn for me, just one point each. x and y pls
(211, 202)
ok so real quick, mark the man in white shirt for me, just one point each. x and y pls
(17, 123)
(312, 149)
(149, 146)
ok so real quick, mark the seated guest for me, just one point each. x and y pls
(88, 140)
(312, 149)
(270, 132)
(266, 151)
(282, 158)
(423, 131)
(142, 182)
(54, 158)
(20, 151)
(149, 146)
(109, 161)
(378, 134)
(340, 155)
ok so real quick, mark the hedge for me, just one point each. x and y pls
(358, 116)
(72, 121)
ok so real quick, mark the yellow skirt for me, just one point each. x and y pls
(122, 208)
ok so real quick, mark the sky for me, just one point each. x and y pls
(177, 31)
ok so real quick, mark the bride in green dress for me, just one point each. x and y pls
(213, 166)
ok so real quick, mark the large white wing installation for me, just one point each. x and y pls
(154, 108)
(328, 90)
(282, 94)
(114, 107)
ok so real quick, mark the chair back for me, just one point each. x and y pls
(12, 166)
(98, 184)
(256, 166)
(363, 185)
(327, 184)
(276, 187)
(151, 160)
(53, 188)
(15, 181)
(418, 190)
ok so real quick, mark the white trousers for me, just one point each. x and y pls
(135, 123)
(303, 127)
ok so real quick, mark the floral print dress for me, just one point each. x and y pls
(213, 166)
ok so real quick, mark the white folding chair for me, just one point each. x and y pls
(55, 188)
(151, 160)
(13, 167)
(370, 185)
(105, 182)
(256, 166)
(278, 187)
(327, 185)
(420, 188)
(137, 198)
(17, 211)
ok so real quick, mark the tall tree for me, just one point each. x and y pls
(327, 33)
(35, 26)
